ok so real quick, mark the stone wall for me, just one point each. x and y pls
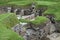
(57, 25)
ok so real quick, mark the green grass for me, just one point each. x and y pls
(39, 20)
(7, 34)
(50, 0)
(47, 3)
(53, 5)
(24, 20)
(8, 19)
(55, 10)
(24, 2)
(19, 3)
(6, 1)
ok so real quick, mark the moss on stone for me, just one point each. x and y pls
(39, 20)
(24, 20)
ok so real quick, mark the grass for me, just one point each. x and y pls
(24, 20)
(53, 5)
(7, 34)
(55, 10)
(47, 3)
(6, 1)
(19, 3)
(50, 0)
(8, 19)
(39, 20)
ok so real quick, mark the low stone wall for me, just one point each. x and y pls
(29, 17)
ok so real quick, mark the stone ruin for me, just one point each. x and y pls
(31, 33)
(39, 33)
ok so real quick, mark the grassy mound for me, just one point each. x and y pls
(24, 20)
(55, 10)
(8, 19)
(39, 20)
(7, 34)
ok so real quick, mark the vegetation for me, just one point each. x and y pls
(8, 20)
(7, 34)
(19, 3)
(47, 3)
(50, 0)
(52, 5)
(24, 20)
(55, 10)
(39, 20)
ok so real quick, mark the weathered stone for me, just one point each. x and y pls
(41, 10)
(57, 25)
(51, 18)
(15, 10)
(49, 28)
(45, 38)
(27, 12)
(22, 12)
(18, 11)
(9, 9)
